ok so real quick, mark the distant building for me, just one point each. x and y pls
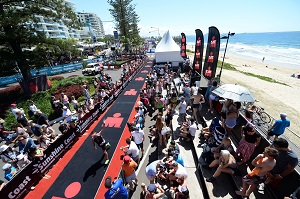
(58, 30)
(93, 22)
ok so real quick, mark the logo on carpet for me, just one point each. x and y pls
(115, 121)
(139, 79)
(144, 71)
(130, 92)
(71, 191)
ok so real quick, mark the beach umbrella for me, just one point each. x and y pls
(235, 92)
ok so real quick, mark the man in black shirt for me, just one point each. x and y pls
(42, 118)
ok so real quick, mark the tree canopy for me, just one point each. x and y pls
(20, 40)
(126, 20)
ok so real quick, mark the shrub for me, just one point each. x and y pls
(7, 93)
(56, 78)
(75, 89)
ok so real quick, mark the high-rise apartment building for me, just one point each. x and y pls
(92, 21)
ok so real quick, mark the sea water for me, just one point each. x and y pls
(281, 48)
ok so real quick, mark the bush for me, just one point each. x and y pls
(75, 89)
(7, 93)
(56, 78)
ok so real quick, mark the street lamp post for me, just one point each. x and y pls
(156, 29)
(225, 37)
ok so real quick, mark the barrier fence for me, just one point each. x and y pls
(30, 175)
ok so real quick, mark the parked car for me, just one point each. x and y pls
(92, 69)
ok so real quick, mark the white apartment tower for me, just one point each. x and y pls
(96, 25)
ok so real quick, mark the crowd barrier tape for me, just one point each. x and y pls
(30, 175)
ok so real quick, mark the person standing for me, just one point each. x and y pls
(131, 149)
(286, 162)
(100, 141)
(115, 189)
(128, 167)
(139, 137)
(182, 110)
(279, 126)
(263, 164)
(151, 170)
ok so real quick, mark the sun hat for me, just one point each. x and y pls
(108, 182)
(20, 156)
(151, 187)
(13, 105)
(2, 121)
(126, 159)
(6, 166)
(3, 148)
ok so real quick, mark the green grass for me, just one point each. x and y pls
(267, 79)
(42, 99)
(228, 66)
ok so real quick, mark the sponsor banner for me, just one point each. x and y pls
(197, 64)
(33, 172)
(20, 185)
(183, 46)
(36, 84)
(212, 53)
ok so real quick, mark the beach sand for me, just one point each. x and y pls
(273, 97)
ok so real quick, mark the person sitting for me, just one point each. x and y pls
(9, 171)
(190, 134)
(23, 122)
(206, 132)
(22, 160)
(226, 164)
(8, 155)
(49, 133)
(44, 142)
(5, 135)
(67, 114)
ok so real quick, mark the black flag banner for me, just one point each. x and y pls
(183, 46)
(212, 53)
(197, 64)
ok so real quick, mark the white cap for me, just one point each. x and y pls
(64, 107)
(283, 114)
(140, 103)
(188, 117)
(3, 148)
(20, 156)
(6, 166)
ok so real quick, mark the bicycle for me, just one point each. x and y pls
(263, 117)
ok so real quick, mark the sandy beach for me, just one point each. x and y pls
(273, 97)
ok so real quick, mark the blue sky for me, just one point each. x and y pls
(237, 16)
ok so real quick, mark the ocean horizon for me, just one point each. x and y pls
(281, 48)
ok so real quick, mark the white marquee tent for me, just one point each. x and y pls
(168, 51)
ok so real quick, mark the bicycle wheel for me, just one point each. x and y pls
(265, 117)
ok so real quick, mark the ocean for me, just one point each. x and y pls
(281, 48)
